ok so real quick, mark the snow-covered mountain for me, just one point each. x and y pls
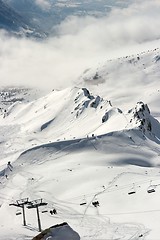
(91, 152)
(14, 23)
(49, 13)
(128, 79)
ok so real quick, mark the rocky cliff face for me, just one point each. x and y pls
(141, 117)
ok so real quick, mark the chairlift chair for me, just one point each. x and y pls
(132, 190)
(84, 202)
(44, 211)
(18, 213)
(54, 211)
(95, 203)
(151, 188)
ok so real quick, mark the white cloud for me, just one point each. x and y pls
(43, 4)
(79, 43)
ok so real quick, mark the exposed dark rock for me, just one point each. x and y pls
(96, 102)
(157, 58)
(105, 117)
(88, 101)
(141, 116)
(58, 232)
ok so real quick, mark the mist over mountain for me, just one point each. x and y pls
(14, 23)
(48, 13)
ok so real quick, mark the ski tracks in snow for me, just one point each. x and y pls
(103, 225)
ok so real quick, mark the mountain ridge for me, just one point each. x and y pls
(75, 147)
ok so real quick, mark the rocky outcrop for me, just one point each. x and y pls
(85, 100)
(140, 115)
(58, 232)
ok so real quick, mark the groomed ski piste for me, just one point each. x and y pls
(91, 152)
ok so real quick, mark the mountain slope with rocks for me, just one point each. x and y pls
(91, 152)
(12, 22)
(47, 14)
(128, 79)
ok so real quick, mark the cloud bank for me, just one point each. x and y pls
(43, 4)
(79, 43)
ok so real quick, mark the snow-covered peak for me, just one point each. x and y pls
(127, 80)
(80, 146)
(140, 117)
(85, 99)
(58, 114)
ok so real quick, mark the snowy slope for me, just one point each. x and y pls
(128, 79)
(80, 145)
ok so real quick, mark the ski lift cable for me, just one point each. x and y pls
(55, 205)
(113, 189)
(95, 194)
(121, 213)
(117, 213)
(7, 199)
(51, 206)
(88, 205)
(105, 191)
(130, 213)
